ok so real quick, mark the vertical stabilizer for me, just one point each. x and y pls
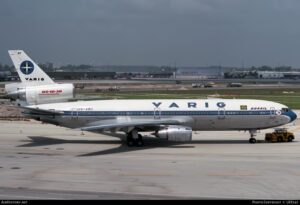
(30, 73)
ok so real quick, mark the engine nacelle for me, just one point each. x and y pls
(175, 133)
(45, 93)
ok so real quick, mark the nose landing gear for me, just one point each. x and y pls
(252, 139)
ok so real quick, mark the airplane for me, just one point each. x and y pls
(35, 82)
(171, 119)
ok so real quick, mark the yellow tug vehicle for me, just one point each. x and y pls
(280, 135)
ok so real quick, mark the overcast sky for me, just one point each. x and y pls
(153, 32)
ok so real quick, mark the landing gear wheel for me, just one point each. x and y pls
(130, 140)
(140, 141)
(252, 140)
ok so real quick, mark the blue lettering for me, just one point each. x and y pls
(174, 105)
(192, 104)
(221, 104)
(156, 104)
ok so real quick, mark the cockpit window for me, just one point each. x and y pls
(285, 109)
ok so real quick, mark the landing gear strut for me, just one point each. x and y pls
(134, 139)
(140, 141)
(130, 140)
(252, 139)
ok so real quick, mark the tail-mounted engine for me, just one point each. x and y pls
(44, 93)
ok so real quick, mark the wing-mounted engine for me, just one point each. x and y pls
(175, 133)
(44, 93)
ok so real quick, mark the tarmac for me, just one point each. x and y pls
(43, 161)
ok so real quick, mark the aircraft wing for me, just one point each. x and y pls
(125, 126)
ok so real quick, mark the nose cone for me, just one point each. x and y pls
(292, 115)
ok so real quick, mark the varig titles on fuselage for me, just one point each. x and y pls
(189, 104)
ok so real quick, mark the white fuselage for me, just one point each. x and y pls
(199, 114)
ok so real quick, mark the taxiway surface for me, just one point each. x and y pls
(43, 161)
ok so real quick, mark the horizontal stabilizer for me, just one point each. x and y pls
(37, 111)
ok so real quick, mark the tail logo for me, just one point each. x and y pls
(26, 67)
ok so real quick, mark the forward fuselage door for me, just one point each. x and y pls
(157, 113)
(272, 112)
(74, 113)
(221, 113)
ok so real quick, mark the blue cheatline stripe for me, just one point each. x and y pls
(166, 113)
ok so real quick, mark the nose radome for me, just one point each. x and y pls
(292, 115)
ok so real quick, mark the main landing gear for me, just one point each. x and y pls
(252, 140)
(134, 139)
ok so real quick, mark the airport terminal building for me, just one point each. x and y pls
(211, 72)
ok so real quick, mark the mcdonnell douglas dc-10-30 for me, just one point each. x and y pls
(174, 120)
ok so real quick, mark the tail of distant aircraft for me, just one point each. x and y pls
(30, 73)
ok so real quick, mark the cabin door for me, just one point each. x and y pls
(272, 112)
(157, 113)
(221, 113)
(74, 113)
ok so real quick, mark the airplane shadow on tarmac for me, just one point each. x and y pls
(150, 143)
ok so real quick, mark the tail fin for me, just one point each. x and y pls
(30, 73)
